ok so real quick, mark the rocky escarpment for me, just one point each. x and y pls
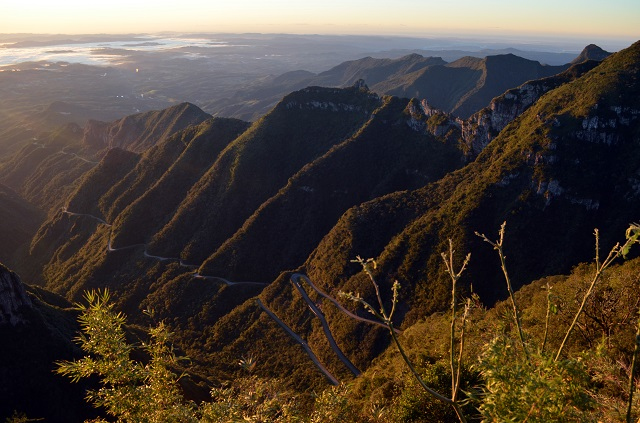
(13, 298)
(478, 130)
(482, 127)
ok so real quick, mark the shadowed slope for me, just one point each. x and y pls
(153, 207)
(19, 221)
(143, 130)
(254, 167)
(389, 153)
(468, 84)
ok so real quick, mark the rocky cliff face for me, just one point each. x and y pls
(34, 336)
(482, 127)
(13, 298)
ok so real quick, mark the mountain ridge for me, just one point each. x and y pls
(143, 130)
(248, 159)
(391, 76)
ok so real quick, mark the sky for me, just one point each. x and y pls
(612, 19)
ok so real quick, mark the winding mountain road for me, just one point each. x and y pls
(41, 145)
(196, 275)
(300, 341)
(159, 258)
(226, 281)
(75, 155)
(64, 210)
(295, 280)
(298, 276)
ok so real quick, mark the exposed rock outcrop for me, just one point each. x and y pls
(13, 298)
(482, 127)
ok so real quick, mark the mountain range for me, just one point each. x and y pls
(198, 216)
(462, 86)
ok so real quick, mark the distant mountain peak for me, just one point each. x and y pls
(142, 130)
(413, 56)
(591, 52)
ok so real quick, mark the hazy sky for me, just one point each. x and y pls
(595, 18)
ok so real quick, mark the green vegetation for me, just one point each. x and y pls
(148, 391)
(512, 377)
(304, 126)
(331, 173)
(361, 167)
(455, 362)
(520, 381)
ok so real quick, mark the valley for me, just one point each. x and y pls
(236, 218)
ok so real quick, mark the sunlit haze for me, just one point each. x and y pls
(599, 20)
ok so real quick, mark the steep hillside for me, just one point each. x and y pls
(391, 152)
(37, 328)
(141, 131)
(49, 168)
(591, 52)
(143, 211)
(373, 71)
(441, 85)
(113, 167)
(216, 182)
(499, 73)
(304, 126)
(19, 221)
(139, 193)
(568, 164)
(482, 127)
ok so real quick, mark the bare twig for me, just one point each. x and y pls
(546, 320)
(467, 307)
(497, 245)
(387, 319)
(632, 235)
(455, 276)
(632, 376)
